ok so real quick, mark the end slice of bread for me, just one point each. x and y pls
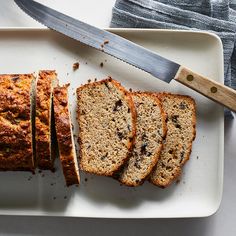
(45, 155)
(64, 135)
(16, 134)
(150, 132)
(106, 117)
(181, 122)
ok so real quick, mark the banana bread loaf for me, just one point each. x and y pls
(16, 122)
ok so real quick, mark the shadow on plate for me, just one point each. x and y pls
(44, 190)
(105, 190)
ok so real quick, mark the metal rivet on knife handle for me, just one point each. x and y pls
(213, 89)
(190, 77)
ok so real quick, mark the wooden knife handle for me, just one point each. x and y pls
(209, 88)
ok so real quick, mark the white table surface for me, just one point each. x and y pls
(222, 223)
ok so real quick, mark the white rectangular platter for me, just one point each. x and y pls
(199, 191)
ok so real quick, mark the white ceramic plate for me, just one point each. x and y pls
(199, 191)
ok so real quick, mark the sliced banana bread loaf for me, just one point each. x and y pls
(16, 122)
(45, 149)
(64, 135)
(181, 122)
(106, 117)
(150, 132)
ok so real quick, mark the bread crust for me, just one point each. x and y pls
(16, 142)
(129, 100)
(44, 154)
(65, 136)
(178, 172)
(158, 151)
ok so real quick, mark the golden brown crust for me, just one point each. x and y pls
(132, 110)
(178, 172)
(65, 136)
(16, 152)
(45, 83)
(158, 151)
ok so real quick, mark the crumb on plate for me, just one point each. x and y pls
(76, 66)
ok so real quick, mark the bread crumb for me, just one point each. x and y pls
(103, 44)
(76, 66)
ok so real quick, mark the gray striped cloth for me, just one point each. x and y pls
(217, 16)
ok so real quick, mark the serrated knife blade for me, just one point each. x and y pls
(114, 45)
(129, 52)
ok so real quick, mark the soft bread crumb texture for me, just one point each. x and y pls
(181, 131)
(16, 152)
(44, 153)
(150, 132)
(64, 135)
(106, 117)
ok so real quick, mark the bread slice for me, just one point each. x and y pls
(106, 117)
(16, 122)
(150, 132)
(181, 122)
(45, 149)
(64, 135)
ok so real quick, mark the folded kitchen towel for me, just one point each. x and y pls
(216, 16)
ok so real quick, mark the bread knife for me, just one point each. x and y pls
(129, 52)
